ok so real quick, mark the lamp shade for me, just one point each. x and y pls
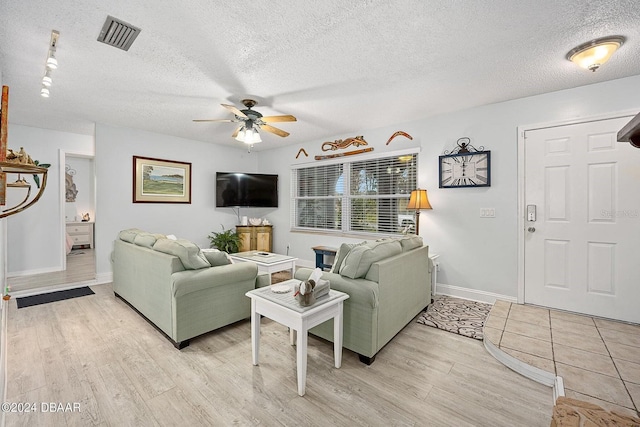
(593, 54)
(419, 200)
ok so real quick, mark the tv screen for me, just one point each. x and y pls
(246, 190)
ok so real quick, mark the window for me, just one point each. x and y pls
(361, 196)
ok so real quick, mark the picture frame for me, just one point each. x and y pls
(161, 181)
(468, 169)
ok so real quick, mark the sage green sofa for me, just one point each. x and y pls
(173, 284)
(388, 282)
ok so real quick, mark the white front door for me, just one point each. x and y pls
(582, 249)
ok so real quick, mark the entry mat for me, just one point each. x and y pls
(53, 297)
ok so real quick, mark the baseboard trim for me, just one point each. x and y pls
(472, 294)
(14, 274)
(52, 288)
(531, 372)
(102, 278)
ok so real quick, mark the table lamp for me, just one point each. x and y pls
(417, 201)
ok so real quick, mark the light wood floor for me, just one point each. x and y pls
(96, 351)
(81, 268)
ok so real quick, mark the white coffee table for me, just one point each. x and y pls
(266, 261)
(284, 309)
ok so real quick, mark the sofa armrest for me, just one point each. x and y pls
(263, 279)
(188, 281)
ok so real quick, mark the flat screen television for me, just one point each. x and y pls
(251, 190)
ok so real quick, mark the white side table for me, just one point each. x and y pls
(267, 262)
(284, 309)
(434, 273)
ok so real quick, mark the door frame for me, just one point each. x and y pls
(521, 177)
(62, 156)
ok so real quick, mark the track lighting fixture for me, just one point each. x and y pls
(46, 80)
(50, 64)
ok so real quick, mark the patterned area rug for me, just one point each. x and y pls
(280, 276)
(460, 316)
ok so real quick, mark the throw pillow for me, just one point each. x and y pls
(129, 234)
(145, 239)
(360, 258)
(341, 254)
(216, 257)
(189, 253)
(411, 242)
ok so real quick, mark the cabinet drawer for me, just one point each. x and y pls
(82, 239)
(78, 229)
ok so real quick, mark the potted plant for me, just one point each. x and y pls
(226, 240)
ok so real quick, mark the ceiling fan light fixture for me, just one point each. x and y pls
(593, 54)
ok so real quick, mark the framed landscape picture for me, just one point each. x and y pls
(161, 181)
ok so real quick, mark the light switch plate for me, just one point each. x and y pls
(487, 212)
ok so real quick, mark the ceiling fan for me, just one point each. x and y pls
(251, 121)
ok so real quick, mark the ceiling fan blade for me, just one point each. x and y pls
(234, 110)
(235, 133)
(283, 118)
(215, 120)
(277, 131)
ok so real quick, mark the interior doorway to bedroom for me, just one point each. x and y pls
(79, 198)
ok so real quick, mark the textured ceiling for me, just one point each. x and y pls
(338, 66)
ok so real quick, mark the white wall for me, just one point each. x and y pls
(83, 178)
(115, 211)
(34, 236)
(475, 253)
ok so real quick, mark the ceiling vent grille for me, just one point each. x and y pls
(118, 33)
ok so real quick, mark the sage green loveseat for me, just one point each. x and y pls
(173, 284)
(388, 282)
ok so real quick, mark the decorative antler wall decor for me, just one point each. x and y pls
(356, 141)
(399, 133)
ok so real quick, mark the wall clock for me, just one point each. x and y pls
(465, 169)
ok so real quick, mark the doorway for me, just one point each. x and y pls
(580, 228)
(79, 202)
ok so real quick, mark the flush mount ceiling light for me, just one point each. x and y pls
(593, 54)
(44, 92)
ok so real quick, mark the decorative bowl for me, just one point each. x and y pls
(255, 221)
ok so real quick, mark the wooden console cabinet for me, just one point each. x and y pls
(255, 237)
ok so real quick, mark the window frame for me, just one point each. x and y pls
(346, 197)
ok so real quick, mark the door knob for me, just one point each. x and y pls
(531, 229)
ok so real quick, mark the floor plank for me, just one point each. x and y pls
(97, 351)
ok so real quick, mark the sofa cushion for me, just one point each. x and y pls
(216, 257)
(146, 240)
(411, 242)
(360, 258)
(188, 252)
(129, 234)
(341, 254)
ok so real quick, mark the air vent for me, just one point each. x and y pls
(118, 33)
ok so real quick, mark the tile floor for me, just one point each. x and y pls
(598, 359)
